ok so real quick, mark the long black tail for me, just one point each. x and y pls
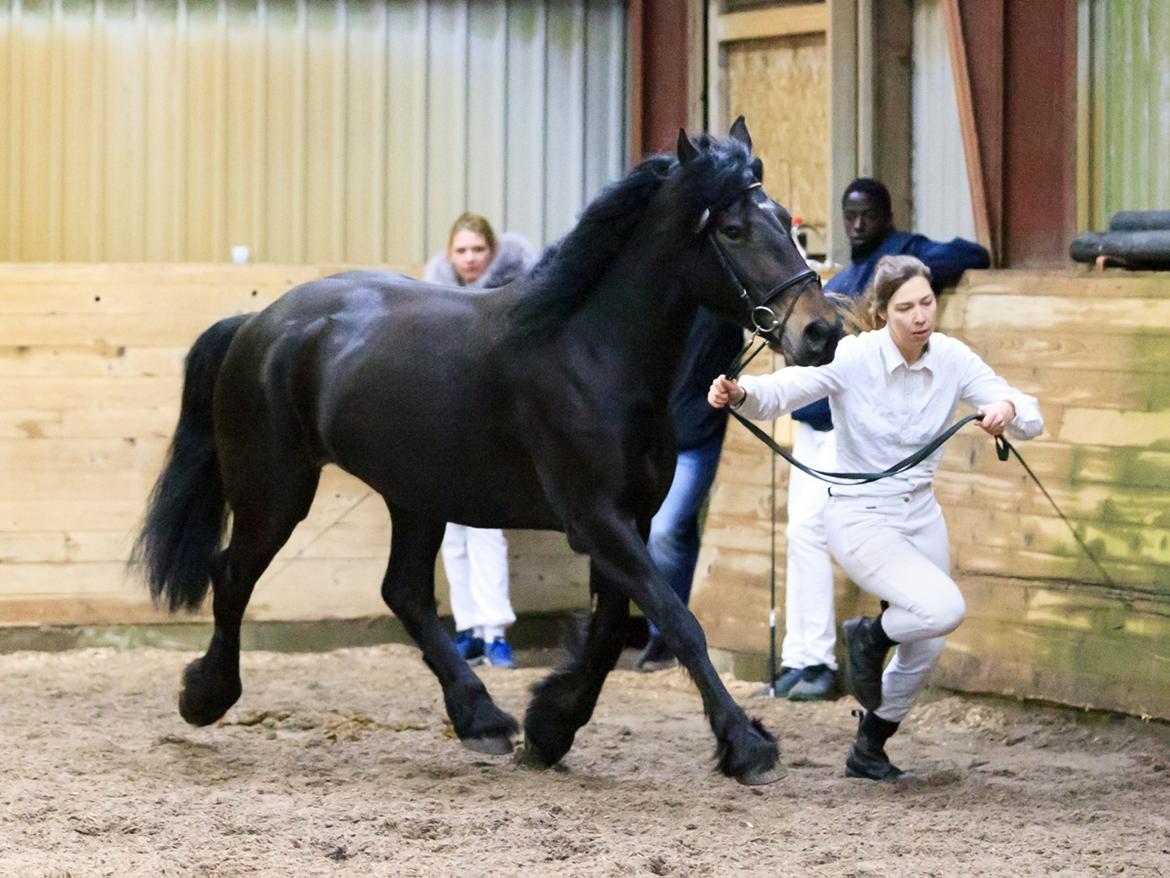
(186, 513)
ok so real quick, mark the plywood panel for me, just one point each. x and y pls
(782, 87)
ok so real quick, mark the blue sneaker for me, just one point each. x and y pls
(781, 686)
(469, 647)
(499, 654)
(788, 678)
(817, 683)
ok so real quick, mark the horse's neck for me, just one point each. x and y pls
(642, 314)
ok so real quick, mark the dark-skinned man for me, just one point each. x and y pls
(808, 661)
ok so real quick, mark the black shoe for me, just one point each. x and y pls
(866, 648)
(815, 684)
(656, 656)
(868, 759)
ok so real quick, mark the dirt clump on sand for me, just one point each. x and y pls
(343, 763)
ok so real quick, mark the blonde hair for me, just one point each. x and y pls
(869, 311)
(473, 222)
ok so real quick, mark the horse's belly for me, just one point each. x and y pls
(460, 486)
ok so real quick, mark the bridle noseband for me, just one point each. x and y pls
(763, 316)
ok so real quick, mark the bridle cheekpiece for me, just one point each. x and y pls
(763, 316)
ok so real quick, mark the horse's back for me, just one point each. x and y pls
(397, 382)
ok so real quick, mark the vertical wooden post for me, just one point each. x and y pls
(843, 164)
(634, 28)
(970, 133)
(696, 65)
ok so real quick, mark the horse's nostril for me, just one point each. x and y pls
(817, 333)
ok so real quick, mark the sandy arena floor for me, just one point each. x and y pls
(342, 764)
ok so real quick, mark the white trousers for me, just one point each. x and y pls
(809, 621)
(896, 548)
(476, 562)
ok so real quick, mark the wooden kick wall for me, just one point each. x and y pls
(1041, 623)
(90, 375)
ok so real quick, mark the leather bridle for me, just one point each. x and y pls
(763, 316)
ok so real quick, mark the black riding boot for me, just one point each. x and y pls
(868, 757)
(867, 645)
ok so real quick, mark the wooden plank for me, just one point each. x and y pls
(61, 546)
(40, 514)
(1112, 316)
(1073, 388)
(1085, 351)
(1057, 462)
(994, 560)
(206, 300)
(1015, 491)
(65, 486)
(97, 360)
(72, 393)
(106, 330)
(844, 161)
(1113, 428)
(1047, 534)
(22, 274)
(962, 77)
(759, 24)
(97, 609)
(136, 423)
(21, 456)
(1071, 284)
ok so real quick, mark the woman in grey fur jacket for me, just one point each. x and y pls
(476, 559)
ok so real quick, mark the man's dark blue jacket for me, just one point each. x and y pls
(946, 260)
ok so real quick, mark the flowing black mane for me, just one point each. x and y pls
(571, 268)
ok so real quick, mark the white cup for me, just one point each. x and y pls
(240, 254)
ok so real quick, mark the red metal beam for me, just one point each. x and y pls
(660, 53)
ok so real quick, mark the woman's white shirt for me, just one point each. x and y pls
(885, 409)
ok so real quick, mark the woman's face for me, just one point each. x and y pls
(470, 255)
(910, 315)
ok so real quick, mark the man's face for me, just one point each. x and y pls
(866, 223)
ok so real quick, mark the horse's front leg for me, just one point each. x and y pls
(745, 751)
(564, 701)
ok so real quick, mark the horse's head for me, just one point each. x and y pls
(747, 265)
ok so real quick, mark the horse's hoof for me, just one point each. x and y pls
(528, 757)
(756, 778)
(499, 745)
(197, 713)
(201, 704)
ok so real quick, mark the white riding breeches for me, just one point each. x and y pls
(810, 631)
(476, 562)
(896, 548)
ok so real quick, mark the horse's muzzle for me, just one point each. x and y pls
(818, 343)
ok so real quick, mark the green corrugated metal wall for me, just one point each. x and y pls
(1125, 87)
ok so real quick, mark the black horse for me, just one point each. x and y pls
(539, 405)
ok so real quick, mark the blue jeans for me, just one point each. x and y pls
(674, 530)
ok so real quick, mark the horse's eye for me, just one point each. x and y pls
(732, 233)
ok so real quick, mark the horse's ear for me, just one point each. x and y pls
(739, 132)
(686, 149)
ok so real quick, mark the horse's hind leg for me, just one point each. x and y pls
(263, 517)
(564, 701)
(409, 591)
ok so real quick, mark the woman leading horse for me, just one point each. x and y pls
(542, 404)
